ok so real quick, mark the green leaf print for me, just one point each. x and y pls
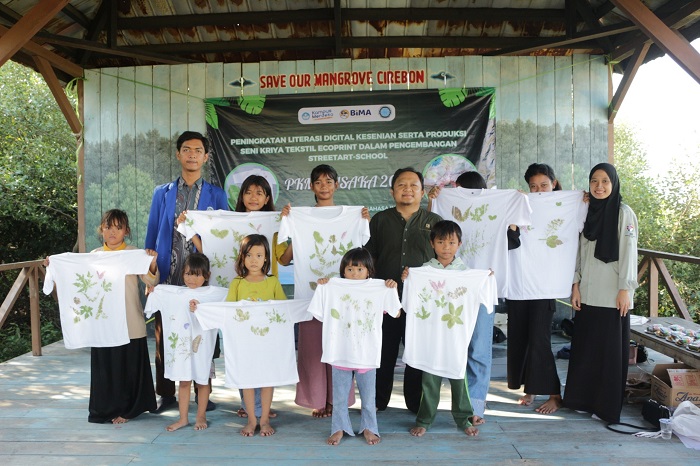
(261, 332)
(189, 222)
(107, 286)
(219, 262)
(221, 234)
(173, 340)
(275, 317)
(479, 212)
(335, 314)
(424, 295)
(423, 314)
(313, 285)
(100, 312)
(551, 239)
(493, 217)
(441, 302)
(452, 317)
(251, 104)
(241, 316)
(452, 97)
(457, 213)
(84, 283)
(317, 237)
(221, 281)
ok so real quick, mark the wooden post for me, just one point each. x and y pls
(34, 310)
(653, 289)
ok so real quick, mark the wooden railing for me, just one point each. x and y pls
(653, 262)
(29, 272)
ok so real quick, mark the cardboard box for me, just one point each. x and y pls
(672, 384)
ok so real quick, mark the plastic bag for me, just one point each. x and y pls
(686, 420)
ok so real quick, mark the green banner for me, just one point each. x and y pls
(365, 136)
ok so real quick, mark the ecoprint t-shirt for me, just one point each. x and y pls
(91, 294)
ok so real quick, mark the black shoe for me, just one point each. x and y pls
(211, 406)
(164, 403)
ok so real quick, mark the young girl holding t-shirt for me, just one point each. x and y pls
(253, 283)
(352, 336)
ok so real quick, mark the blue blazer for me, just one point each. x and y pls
(159, 234)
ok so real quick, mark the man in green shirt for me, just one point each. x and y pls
(400, 238)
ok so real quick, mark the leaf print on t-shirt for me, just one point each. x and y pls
(551, 238)
(90, 288)
(327, 254)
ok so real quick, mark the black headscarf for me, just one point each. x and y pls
(602, 219)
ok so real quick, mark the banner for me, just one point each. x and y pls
(365, 136)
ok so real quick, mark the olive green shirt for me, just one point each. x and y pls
(396, 243)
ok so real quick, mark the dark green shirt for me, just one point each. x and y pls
(395, 243)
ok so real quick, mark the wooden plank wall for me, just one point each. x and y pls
(548, 109)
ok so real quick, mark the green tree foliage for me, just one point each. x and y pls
(38, 212)
(668, 209)
(38, 196)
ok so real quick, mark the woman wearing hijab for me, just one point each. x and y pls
(604, 284)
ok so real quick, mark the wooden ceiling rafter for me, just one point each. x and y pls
(627, 77)
(59, 95)
(676, 18)
(24, 29)
(664, 37)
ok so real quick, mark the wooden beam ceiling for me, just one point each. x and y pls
(667, 39)
(23, 31)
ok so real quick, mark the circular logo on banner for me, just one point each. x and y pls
(237, 176)
(344, 114)
(385, 112)
(305, 116)
(444, 169)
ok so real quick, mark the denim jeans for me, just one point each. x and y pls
(258, 402)
(479, 360)
(342, 381)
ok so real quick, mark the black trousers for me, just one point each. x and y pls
(530, 358)
(393, 333)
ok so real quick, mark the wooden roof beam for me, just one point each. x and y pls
(675, 20)
(23, 31)
(626, 82)
(667, 39)
(329, 43)
(93, 30)
(97, 47)
(349, 14)
(559, 42)
(32, 48)
(64, 104)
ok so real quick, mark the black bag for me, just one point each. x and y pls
(498, 335)
(652, 411)
(642, 355)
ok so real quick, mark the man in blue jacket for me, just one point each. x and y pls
(188, 192)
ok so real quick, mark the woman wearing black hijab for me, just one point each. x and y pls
(604, 284)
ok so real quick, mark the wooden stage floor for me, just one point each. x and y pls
(43, 420)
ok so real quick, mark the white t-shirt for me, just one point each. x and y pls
(321, 236)
(91, 294)
(188, 348)
(484, 216)
(352, 313)
(543, 266)
(259, 339)
(441, 309)
(222, 232)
